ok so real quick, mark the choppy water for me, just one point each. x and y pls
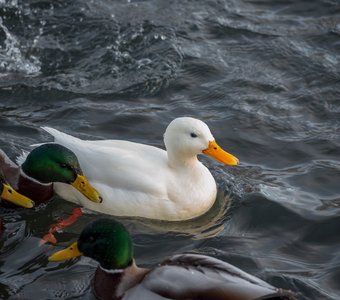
(265, 77)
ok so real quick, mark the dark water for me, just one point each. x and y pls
(264, 75)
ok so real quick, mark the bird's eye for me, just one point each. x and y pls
(194, 135)
(63, 165)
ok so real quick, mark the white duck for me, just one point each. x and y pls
(141, 180)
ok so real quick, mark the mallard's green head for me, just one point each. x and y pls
(9, 194)
(52, 163)
(55, 163)
(105, 241)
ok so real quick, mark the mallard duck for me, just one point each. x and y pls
(42, 167)
(145, 181)
(183, 276)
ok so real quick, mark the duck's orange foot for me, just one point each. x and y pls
(48, 238)
(57, 227)
(76, 213)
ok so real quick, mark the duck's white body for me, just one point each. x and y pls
(140, 180)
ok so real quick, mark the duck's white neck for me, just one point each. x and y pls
(182, 161)
(112, 271)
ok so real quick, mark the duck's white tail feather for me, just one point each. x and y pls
(54, 132)
(21, 158)
(60, 137)
(37, 145)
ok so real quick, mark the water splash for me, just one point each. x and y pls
(9, 3)
(13, 58)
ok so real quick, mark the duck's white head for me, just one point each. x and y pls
(186, 137)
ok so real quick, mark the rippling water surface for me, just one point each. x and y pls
(265, 77)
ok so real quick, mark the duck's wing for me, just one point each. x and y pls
(200, 277)
(9, 169)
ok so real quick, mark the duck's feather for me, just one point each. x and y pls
(10, 170)
(20, 159)
(190, 276)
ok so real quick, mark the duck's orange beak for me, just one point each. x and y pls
(216, 152)
(68, 253)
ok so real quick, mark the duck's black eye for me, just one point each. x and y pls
(63, 165)
(194, 135)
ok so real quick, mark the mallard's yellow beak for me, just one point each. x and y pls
(9, 194)
(68, 253)
(83, 186)
(216, 152)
